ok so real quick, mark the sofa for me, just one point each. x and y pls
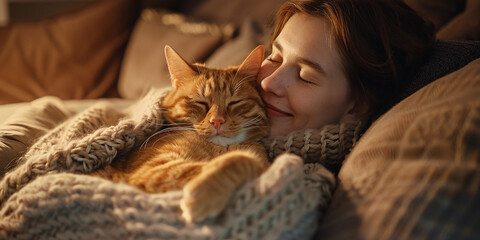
(414, 173)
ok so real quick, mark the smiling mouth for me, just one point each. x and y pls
(275, 112)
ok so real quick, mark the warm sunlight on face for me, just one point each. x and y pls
(303, 82)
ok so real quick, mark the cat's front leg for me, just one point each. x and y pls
(207, 194)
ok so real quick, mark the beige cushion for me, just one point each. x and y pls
(415, 172)
(75, 55)
(144, 65)
(23, 123)
(29, 122)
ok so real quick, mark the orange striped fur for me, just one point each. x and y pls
(211, 148)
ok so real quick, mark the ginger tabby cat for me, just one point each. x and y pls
(210, 148)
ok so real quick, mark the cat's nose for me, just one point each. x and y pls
(217, 122)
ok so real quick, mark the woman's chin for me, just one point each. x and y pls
(278, 129)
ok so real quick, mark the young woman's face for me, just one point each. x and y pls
(303, 82)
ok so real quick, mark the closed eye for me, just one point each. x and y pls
(274, 59)
(271, 60)
(231, 103)
(305, 80)
(203, 104)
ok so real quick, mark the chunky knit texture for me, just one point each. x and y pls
(327, 146)
(48, 196)
(283, 201)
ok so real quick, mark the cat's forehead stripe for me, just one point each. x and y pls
(224, 82)
(216, 82)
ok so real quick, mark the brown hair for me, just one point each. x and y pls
(380, 41)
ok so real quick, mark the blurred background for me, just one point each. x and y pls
(12, 11)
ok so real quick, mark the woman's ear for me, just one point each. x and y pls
(350, 108)
(359, 109)
(350, 112)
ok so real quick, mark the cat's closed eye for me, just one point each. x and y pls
(233, 104)
(203, 104)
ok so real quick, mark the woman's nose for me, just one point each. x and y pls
(274, 82)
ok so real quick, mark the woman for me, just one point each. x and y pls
(331, 58)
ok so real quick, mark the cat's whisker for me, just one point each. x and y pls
(177, 133)
(257, 126)
(166, 130)
(178, 152)
(235, 77)
(176, 124)
(196, 66)
(243, 79)
(252, 121)
(239, 83)
(144, 144)
(168, 125)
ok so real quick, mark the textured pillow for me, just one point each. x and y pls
(76, 55)
(447, 56)
(464, 26)
(415, 172)
(144, 65)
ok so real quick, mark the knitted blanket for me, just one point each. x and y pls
(49, 196)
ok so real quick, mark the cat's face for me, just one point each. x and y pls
(222, 105)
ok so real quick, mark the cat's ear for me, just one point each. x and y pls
(251, 64)
(179, 69)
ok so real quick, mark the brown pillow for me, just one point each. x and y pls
(144, 65)
(75, 55)
(233, 11)
(233, 52)
(465, 26)
(415, 172)
(437, 11)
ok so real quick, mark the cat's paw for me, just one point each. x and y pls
(202, 201)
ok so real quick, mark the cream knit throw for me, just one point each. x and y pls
(47, 196)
